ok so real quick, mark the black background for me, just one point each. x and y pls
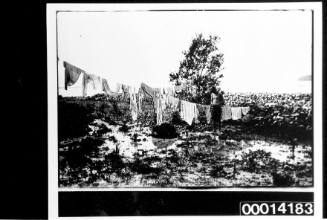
(165, 203)
(23, 154)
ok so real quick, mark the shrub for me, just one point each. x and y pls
(73, 120)
(282, 179)
(176, 118)
(79, 157)
(164, 130)
(217, 171)
(115, 161)
(254, 160)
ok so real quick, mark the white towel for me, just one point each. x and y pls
(236, 113)
(189, 111)
(92, 85)
(226, 113)
(133, 103)
(119, 88)
(140, 100)
(245, 110)
(158, 107)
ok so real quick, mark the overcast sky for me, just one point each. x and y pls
(264, 51)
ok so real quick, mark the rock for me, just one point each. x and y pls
(164, 130)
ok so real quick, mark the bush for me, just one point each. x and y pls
(282, 179)
(73, 120)
(114, 161)
(164, 130)
(217, 171)
(144, 167)
(176, 118)
(254, 160)
(79, 157)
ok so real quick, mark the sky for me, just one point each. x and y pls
(264, 51)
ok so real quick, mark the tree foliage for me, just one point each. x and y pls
(199, 70)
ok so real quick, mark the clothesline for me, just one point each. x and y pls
(190, 111)
(162, 98)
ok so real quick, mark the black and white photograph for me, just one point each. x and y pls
(195, 109)
(185, 99)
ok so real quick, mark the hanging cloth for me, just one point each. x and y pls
(133, 104)
(158, 107)
(170, 91)
(94, 81)
(97, 83)
(105, 87)
(172, 102)
(188, 111)
(163, 99)
(245, 110)
(86, 80)
(148, 90)
(208, 114)
(196, 115)
(119, 89)
(135, 90)
(72, 74)
(236, 113)
(140, 96)
(126, 91)
(226, 113)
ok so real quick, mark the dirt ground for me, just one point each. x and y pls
(109, 156)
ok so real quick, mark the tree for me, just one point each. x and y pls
(199, 71)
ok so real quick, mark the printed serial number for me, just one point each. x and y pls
(276, 208)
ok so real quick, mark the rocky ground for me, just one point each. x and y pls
(112, 154)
